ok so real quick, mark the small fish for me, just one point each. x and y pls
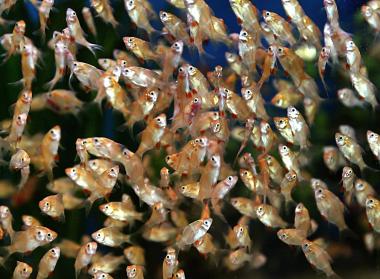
(170, 264)
(48, 262)
(110, 236)
(283, 126)
(287, 185)
(330, 207)
(290, 160)
(89, 20)
(270, 217)
(348, 98)
(220, 191)
(372, 17)
(365, 88)
(255, 102)
(108, 263)
(350, 150)
(302, 220)
(279, 26)
(53, 206)
(193, 232)
(44, 12)
(291, 236)
(332, 158)
(84, 257)
(152, 134)
(236, 259)
(49, 150)
(247, 49)
(323, 59)
(140, 48)
(76, 31)
(373, 212)
(209, 177)
(104, 10)
(374, 143)
(317, 257)
(22, 271)
(348, 179)
(299, 127)
(176, 27)
(138, 15)
(101, 275)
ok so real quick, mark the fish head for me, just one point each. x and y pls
(55, 133)
(347, 172)
(45, 205)
(106, 208)
(350, 45)
(129, 42)
(55, 252)
(71, 16)
(4, 212)
(372, 137)
(282, 234)
(50, 235)
(73, 173)
(306, 246)
(319, 193)
(21, 119)
(291, 176)
(20, 27)
(244, 36)
(160, 120)
(246, 93)
(367, 11)
(131, 271)
(371, 202)
(265, 127)
(215, 160)
(99, 236)
(260, 211)
(239, 230)
(340, 139)
(152, 96)
(300, 208)
(23, 269)
(130, 4)
(281, 122)
(231, 180)
(165, 16)
(293, 113)
(91, 247)
(206, 224)
(325, 52)
(26, 96)
(283, 149)
(177, 47)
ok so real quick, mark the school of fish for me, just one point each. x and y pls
(189, 116)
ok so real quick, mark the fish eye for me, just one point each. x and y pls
(151, 93)
(196, 100)
(244, 33)
(164, 14)
(49, 235)
(340, 138)
(229, 178)
(281, 121)
(134, 270)
(98, 235)
(283, 235)
(280, 49)
(24, 269)
(183, 188)
(319, 191)
(73, 170)
(241, 229)
(206, 222)
(267, 13)
(176, 45)
(168, 257)
(177, 275)
(103, 276)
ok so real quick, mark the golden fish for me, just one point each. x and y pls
(22, 271)
(84, 256)
(48, 262)
(53, 206)
(135, 255)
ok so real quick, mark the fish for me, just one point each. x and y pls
(373, 142)
(236, 259)
(29, 221)
(299, 127)
(152, 135)
(106, 263)
(290, 160)
(105, 11)
(193, 232)
(49, 150)
(348, 98)
(323, 59)
(110, 236)
(279, 26)
(140, 48)
(84, 257)
(209, 177)
(317, 257)
(77, 32)
(138, 14)
(372, 206)
(350, 150)
(175, 26)
(270, 217)
(48, 262)
(89, 20)
(53, 206)
(365, 88)
(372, 17)
(291, 236)
(170, 263)
(330, 207)
(287, 185)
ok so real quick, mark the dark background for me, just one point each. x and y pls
(283, 261)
